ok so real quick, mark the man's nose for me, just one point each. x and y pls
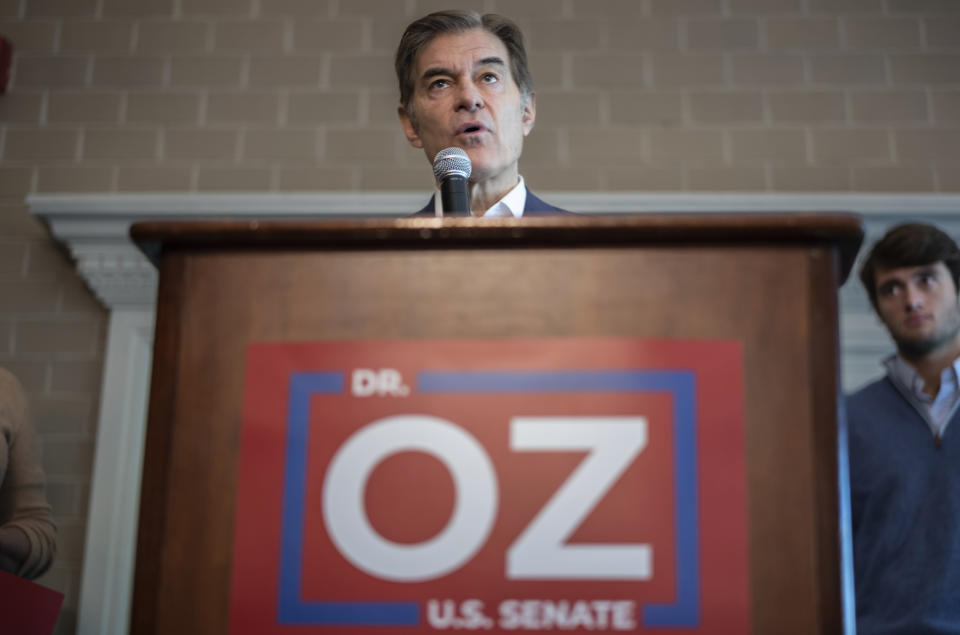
(913, 298)
(469, 97)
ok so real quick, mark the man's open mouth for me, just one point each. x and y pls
(471, 128)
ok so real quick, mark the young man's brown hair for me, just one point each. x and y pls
(910, 245)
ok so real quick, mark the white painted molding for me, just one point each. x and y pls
(107, 579)
(401, 203)
(95, 229)
(95, 226)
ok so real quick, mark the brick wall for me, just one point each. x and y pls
(214, 95)
(283, 95)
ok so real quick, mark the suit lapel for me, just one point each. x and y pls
(428, 210)
(537, 207)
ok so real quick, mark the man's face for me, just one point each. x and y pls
(464, 95)
(919, 307)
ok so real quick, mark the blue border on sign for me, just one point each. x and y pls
(684, 612)
(290, 608)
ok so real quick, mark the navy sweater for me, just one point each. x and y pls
(905, 497)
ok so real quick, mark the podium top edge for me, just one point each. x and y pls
(840, 230)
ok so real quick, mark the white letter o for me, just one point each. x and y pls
(474, 507)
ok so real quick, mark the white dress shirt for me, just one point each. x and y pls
(511, 204)
(936, 410)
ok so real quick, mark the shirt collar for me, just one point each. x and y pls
(510, 204)
(902, 371)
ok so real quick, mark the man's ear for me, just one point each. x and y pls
(529, 113)
(409, 129)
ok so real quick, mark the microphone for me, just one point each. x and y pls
(452, 168)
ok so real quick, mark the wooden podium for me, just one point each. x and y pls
(767, 281)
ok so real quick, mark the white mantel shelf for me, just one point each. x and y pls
(95, 226)
(95, 229)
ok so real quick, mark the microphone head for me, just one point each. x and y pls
(451, 162)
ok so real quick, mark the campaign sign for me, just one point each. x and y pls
(497, 486)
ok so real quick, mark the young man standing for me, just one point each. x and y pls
(904, 445)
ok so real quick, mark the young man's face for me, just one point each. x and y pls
(919, 307)
(464, 95)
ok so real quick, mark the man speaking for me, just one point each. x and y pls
(465, 85)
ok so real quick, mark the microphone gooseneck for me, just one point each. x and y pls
(452, 169)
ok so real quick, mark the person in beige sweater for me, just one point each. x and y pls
(27, 532)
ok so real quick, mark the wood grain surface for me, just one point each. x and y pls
(216, 297)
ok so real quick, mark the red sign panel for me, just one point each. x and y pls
(498, 485)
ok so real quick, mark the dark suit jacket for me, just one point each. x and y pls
(533, 207)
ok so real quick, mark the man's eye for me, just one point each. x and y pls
(489, 78)
(888, 290)
(439, 83)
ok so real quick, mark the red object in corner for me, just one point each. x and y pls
(6, 57)
(27, 608)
